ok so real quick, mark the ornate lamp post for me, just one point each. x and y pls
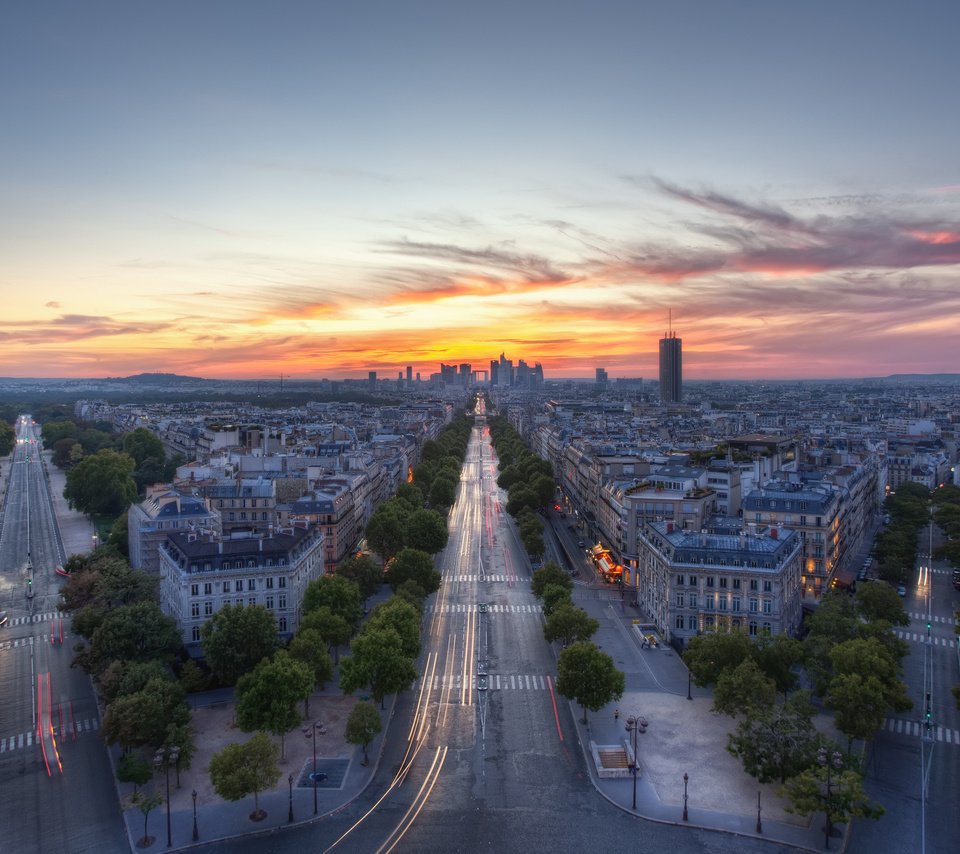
(196, 832)
(689, 695)
(315, 727)
(685, 779)
(164, 758)
(833, 760)
(759, 826)
(290, 811)
(634, 725)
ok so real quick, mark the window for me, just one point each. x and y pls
(679, 622)
(194, 609)
(722, 602)
(270, 583)
(208, 588)
(238, 586)
(736, 603)
(767, 629)
(194, 589)
(282, 581)
(709, 581)
(195, 634)
(282, 624)
(767, 606)
(767, 586)
(252, 601)
(283, 601)
(270, 602)
(231, 516)
(207, 609)
(692, 600)
(753, 628)
(803, 520)
(679, 600)
(679, 581)
(692, 622)
(263, 517)
(736, 622)
(753, 583)
(708, 603)
(736, 583)
(708, 622)
(723, 583)
(251, 584)
(753, 606)
(692, 581)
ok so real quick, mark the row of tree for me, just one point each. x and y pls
(528, 480)
(585, 674)
(895, 548)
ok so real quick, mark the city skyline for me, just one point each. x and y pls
(236, 191)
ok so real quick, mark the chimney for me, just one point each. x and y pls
(669, 527)
(773, 533)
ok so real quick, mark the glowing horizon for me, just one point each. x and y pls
(342, 198)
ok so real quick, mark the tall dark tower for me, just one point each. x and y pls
(671, 366)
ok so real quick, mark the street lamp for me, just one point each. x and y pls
(312, 735)
(685, 779)
(759, 826)
(689, 695)
(834, 760)
(634, 725)
(196, 832)
(164, 758)
(290, 811)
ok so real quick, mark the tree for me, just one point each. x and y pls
(377, 661)
(133, 768)
(869, 658)
(102, 484)
(236, 639)
(521, 496)
(859, 704)
(364, 572)
(138, 632)
(134, 720)
(363, 724)
(245, 769)
(569, 624)
(554, 595)
(532, 542)
(414, 565)
(141, 444)
(777, 741)
(192, 677)
(119, 536)
(147, 805)
(267, 698)
(878, 601)
(743, 690)
(341, 595)
(549, 573)
(335, 630)
(777, 656)
(544, 487)
(411, 494)
(710, 654)
(309, 647)
(443, 491)
(426, 530)
(587, 675)
(385, 532)
(808, 794)
(411, 592)
(62, 452)
(8, 438)
(402, 617)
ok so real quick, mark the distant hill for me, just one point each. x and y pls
(156, 379)
(924, 378)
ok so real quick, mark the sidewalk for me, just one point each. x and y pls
(683, 737)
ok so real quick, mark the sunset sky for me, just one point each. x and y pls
(319, 189)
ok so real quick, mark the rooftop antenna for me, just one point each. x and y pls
(670, 321)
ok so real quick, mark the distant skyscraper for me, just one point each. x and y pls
(671, 367)
(601, 376)
(409, 374)
(372, 380)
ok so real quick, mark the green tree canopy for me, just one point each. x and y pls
(333, 628)
(554, 596)
(569, 624)
(363, 724)
(411, 494)
(708, 655)
(414, 565)
(443, 490)
(426, 530)
(236, 639)
(807, 793)
(879, 601)
(245, 769)
(341, 595)
(267, 697)
(743, 690)
(859, 704)
(309, 647)
(404, 618)
(142, 718)
(385, 532)
(587, 675)
(549, 573)
(137, 632)
(8, 438)
(102, 484)
(377, 662)
(363, 571)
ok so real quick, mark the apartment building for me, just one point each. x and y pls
(162, 512)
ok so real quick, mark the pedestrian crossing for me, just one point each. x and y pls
(464, 579)
(469, 608)
(917, 728)
(496, 682)
(921, 637)
(917, 615)
(35, 618)
(27, 739)
(24, 642)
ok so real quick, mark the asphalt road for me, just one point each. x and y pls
(511, 775)
(74, 809)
